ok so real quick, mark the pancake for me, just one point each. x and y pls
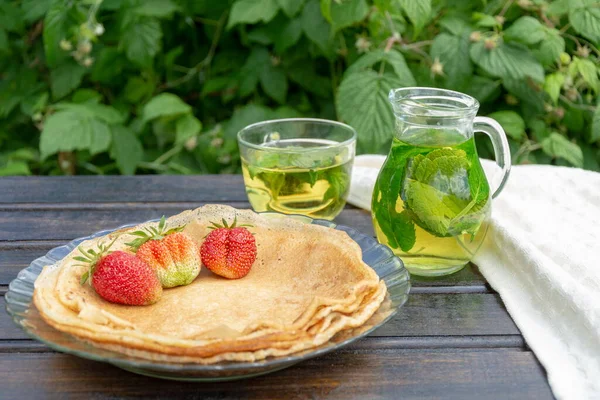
(307, 284)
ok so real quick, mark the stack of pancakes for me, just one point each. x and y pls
(308, 284)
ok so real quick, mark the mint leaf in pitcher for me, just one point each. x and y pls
(441, 195)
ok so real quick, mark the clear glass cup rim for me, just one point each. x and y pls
(464, 105)
(344, 143)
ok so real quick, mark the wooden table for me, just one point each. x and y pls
(452, 339)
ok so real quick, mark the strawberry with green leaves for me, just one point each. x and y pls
(229, 251)
(120, 277)
(171, 253)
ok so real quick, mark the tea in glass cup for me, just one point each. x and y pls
(298, 166)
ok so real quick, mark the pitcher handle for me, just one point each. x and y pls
(500, 143)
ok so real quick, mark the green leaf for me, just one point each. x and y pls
(65, 78)
(34, 9)
(549, 50)
(290, 7)
(34, 103)
(109, 65)
(588, 72)
(156, 8)
(316, 28)
(485, 20)
(186, 127)
(595, 131)
(126, 149)
(11, 17)
(513, 124)
(141, 40)
(558, 7)
(453, 53)
(528, 92)
(165, 105)
(507, 60)
(584, 16)
(418, 12)
(86, 96)
(435, 193)
(482, 88)
(392, 58)
(244, 116)
(252, 11)
(526, 30)
(590, 158)
(346, 13)
(69, 130)
(383, 24)
(55, 30)
(289, 35)
(14, 86)
(260, 35)
(4, 46)
(252, 69)
(15, 168)
(102, 112)
(398, 228)
(362, 102)
(559, 146)
(274, 82)
(455, 25)
(305, 76)
(137, 89)
(553, 84)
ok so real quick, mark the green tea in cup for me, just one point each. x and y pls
(298, 166)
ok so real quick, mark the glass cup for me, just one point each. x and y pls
(298, 165)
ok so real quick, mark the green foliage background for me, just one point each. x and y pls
(162, 86)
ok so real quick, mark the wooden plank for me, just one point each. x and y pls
(54, 227)
(392, 374)
(14, 256)
(69, 224)
(422, 315)
(61, 224)
(481, 342)
(110, 189)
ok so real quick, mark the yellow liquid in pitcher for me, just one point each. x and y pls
(431, 206)
(318, 188)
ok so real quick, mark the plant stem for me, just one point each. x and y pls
(152, 166)
(334, 84)
(505, 8)
(207, 21)
(168, 154)
(576, 40)
(575, 105)
(205, 62)
(417, 45)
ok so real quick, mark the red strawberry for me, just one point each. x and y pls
(172, 254)
(229, 251)
(121, 277)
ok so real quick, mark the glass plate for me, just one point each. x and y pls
(19, 305)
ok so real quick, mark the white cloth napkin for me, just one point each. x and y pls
(542, 255)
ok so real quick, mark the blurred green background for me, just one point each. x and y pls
(163, 86)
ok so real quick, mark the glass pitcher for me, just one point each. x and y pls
(432, 202)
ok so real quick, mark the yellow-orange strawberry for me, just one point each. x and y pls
(172, 254)
(229, 251)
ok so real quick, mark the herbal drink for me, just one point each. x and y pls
(298, 176)
(430, 205)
